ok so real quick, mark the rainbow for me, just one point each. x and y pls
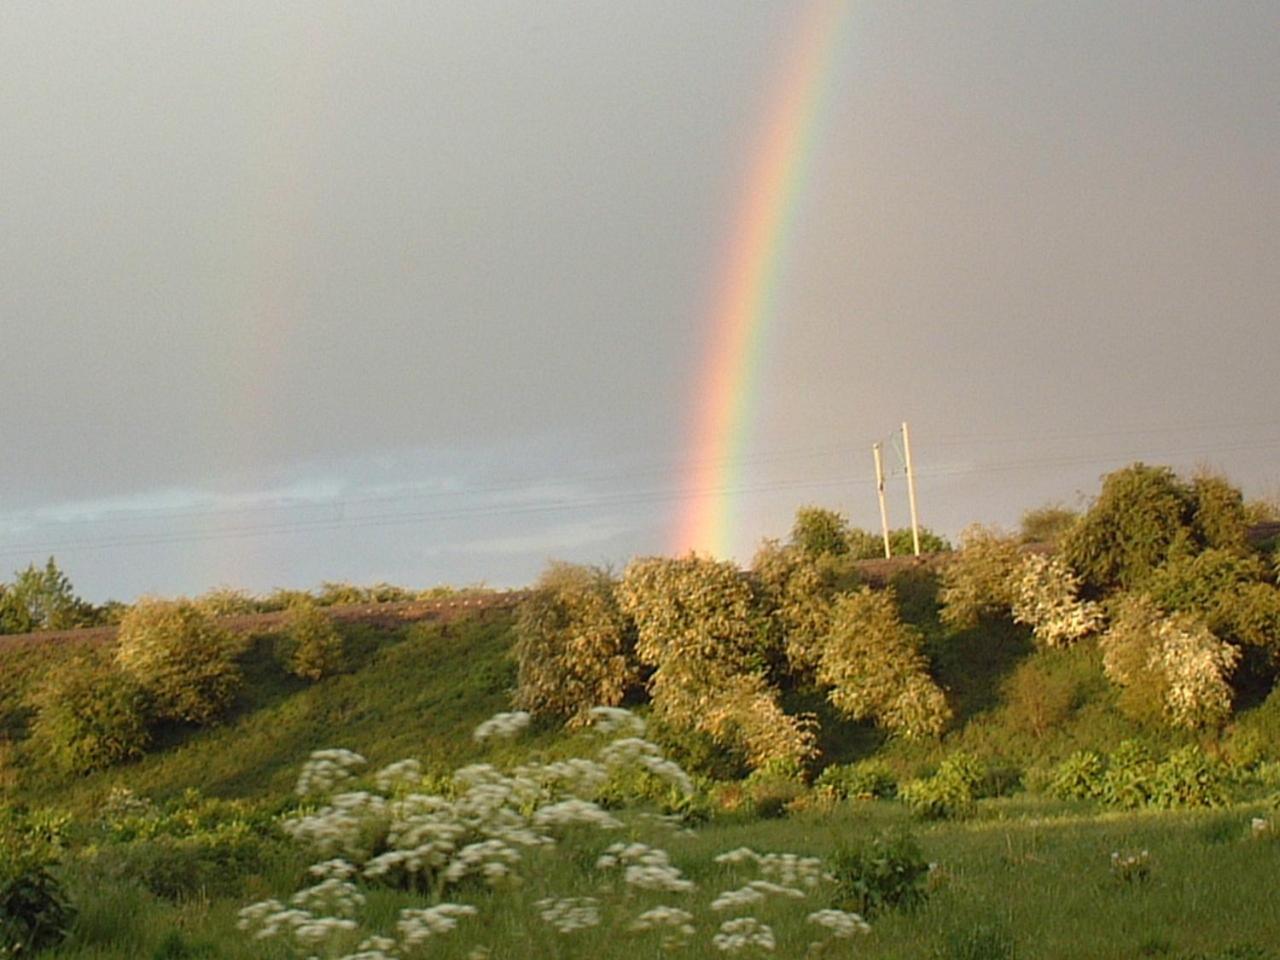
(744, 302)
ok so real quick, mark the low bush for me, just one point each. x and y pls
(90, 715)
(888, 873)
(311, 646)
(1189, 778)
(1129, 781)
(35, 913)
(980, 579)
(1079, 777)
(864, 780)
(949, 794)
(185, 662)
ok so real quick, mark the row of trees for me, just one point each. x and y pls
(714, 647)
(1158, 572)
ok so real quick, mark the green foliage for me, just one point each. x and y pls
(1130, 778)
(1043, 691)
(227, 602)
(875, 669)
(1134, 525)
(1047, 524)
(1188, 778)
(207, 862)
(979, 941)
(794, 592)
(574, 645)
(949, 794)
(902, 543)
(864, 780)
(1228, 589)
(1219, 520)
(980, 579)
(41, 599)
(90, 715)
(1079, 777)
(186, 663)
(817, 531)
(35, 912)
(312, 647)
(888, 873)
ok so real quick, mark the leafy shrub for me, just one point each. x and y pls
(1079, 777)
(1130, 778)
(1172, 664)
(889, 873)
(1188, 778)
(696, 625)
(794, 591)
(949, 794)
(1219, 516)
(817, 531)
(1131, 528)
(211, 862)
(226, 602)
(770, 794)
(979, 579)
(312, 647)
(864, 780)
(1046, 598)
(35, 913)
(902, 543)
(1046, 689)
(90, 715)
(175, 652)
(1228, 589)
(1046, 524)
(573, 645)
(875, 669)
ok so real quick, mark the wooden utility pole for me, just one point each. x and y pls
(911, 487)
(884, 513)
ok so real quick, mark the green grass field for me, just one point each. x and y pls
(1026, 876)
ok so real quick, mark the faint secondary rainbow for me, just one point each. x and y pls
(743, 304)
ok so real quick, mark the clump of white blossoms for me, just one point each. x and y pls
(502, 725)
(743, 933)
(842, 924)
(325, 769)
(489, 823)
(675, 924)
(568, 914)
(645, 868)
(1046, 597)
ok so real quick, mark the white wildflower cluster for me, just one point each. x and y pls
(752, 893)
(482, 828)
(842, 924)
(568, 914)
(1046, 598)
(787, 868)
(675, 924)
(325, 769)
(398, 776)
(1131, 867)
(633, 751)
(615, 721)
(1261, 828)
(743, 933)
(644, 868)
(341, 826)
(574, 810)
(502, 725)
(416, 927)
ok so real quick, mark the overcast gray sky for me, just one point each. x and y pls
(418, 291)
